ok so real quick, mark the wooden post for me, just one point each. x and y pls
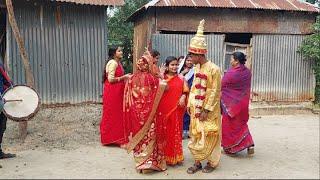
(24, 57)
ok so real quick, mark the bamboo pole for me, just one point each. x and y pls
(28, 72)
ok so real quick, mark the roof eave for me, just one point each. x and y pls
(94, 2)
(143, 10)
(137, 13)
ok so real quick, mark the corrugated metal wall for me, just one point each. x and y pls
(177, 45)
(66, 44)
(279, 72)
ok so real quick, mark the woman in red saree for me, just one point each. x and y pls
(236, 85)
(171, 111)
(143, 92)
(112, 125)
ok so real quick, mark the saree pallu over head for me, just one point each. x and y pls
(143, 92)
(236, 85)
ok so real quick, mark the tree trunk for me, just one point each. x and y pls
(24, 57)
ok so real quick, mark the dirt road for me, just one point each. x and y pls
(68, 147)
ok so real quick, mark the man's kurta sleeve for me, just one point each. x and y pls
(213, 91)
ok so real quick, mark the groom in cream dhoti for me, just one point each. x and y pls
(204, 107)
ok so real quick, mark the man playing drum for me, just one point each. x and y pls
(4, 84)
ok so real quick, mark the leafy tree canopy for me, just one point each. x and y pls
(120, 32)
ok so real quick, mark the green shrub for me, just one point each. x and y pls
(310, 50)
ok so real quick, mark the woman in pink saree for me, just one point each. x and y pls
(236, 85)
(143, 92)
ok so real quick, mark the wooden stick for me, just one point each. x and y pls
(24, 57)
(19, 100)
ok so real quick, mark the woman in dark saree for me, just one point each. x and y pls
(236, 85)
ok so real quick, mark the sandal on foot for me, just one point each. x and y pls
(208, 168)
(250, 151)
(195, 168)
(228, 153)
(145, 171)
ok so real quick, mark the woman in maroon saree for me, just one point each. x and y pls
(236, 85)
(146, 134)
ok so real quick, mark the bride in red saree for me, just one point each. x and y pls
(171, 111)
(143, 92)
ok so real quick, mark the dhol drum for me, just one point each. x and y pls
(20, 103)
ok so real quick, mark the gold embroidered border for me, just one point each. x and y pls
(139, 136)
(174, 160)
(148, 151)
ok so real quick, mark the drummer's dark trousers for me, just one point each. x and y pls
(3, 125)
